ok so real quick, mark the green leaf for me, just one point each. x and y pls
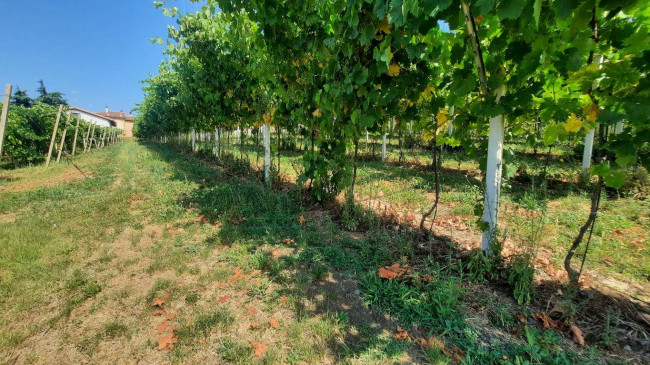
(433, 7)
(615, 179)
(396, 15)
(379, 8)
(367, 34)
(356, 114)
(485, 6)
(537, 9)
(510, 9)
(367, 121)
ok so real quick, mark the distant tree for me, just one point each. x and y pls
(53, 99)
(21, 98)
(42, 91)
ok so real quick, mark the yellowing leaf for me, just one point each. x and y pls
(573, 124)
(409, 103)
(229, 93)
(267, 118)
(317, 113)
(428, 93)
(442, 117)
(384, 26)
(393, 70)
(591, 112)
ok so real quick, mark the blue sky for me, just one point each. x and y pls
(94, 51)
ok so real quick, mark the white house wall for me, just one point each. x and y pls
(92, 119)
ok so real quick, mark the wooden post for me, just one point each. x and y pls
(103, 137)
(56, 126)
(267, 153)
(91, 138)
(76, 132)
(5, 114)
(65, 131)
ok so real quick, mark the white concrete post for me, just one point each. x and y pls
(586, 154)
(589, 138)
(493, 177)
(5, 113)
(216, 142)
(267, 153)
(619, 128)
(383, 148)
(451, 122)
(193, 140)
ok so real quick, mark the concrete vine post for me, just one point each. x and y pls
(65, 131)
(267, 153)
(216, 142)
(495, 143)
(56, 126)
(5, 114)
(589, 137)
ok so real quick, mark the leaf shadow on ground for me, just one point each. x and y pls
(254, 215)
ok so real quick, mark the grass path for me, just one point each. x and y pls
(154, 248)
(83, 259)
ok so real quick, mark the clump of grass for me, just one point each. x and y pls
(192, 297)
(205, 323)
(234, 353)
(319, 271)
(116, 329)
(158, 287)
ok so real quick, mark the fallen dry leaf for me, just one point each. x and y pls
(521, 318)
(302, 219)
(254, 272)
(252, 309)
(393, 271)
(274, 323)
(254, 326)
(275, 254)
(577, 335)
(167, 341)
(224, 298)
(162, 326)
(434, 343)
(288, 241)
(158, 312)
(283, 299)
(401, 334)
(158, 302)
(546, 321)
(557, 308)
(237, 275)
(259, 348)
